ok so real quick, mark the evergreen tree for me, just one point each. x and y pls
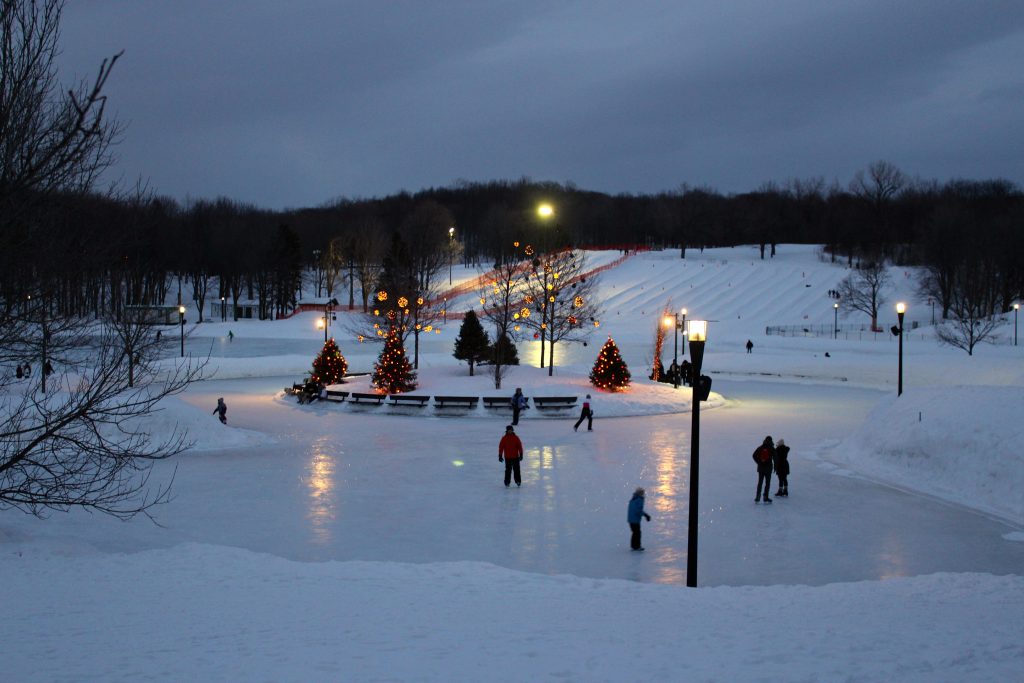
(392, 373)
(610, 372)
(507, 349)
(330, 366)
(472, 345)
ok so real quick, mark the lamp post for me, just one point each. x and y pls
(835, 321)
(316, 269)
(451, 252)
(1016, 308)
(697, 333)
(675, 348)
(328, 310)
(181, 317)
(223, 310)
(901, 309)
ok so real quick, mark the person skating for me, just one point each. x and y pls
(634, 513)
(518, 402)
(781, 461)
(510, 451)
(750, 346)
(763, 457)
(222, 411)
(19, 373)
(587, 414)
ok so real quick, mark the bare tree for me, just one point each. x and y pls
(504, 302)
(973, 298)
(864, 290)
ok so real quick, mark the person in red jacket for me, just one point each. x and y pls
(510, 451)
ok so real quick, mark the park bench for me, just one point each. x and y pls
(397, 399)
(456, 401)
(544, 402)
(332, 395)
(367, 398)
(294, 388)
(500, 401)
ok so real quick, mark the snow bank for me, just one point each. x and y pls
(219, 613)
(962, 444)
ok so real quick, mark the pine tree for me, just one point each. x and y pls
(392, 373)
(330, 366)
(610, 372)
(508, 350)
(472, 345)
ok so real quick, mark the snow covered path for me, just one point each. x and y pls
(417, 489)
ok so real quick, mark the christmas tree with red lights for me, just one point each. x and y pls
(610, 372)
(392, 373)
(330, 366)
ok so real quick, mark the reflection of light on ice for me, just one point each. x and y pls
(665, 445)
(320, 480)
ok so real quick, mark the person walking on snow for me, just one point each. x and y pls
(510, 451)
(518, 402)
(633, 515)
(586, 414)
(222, 411)
(781, 461)
(763, 457)
(750, 346)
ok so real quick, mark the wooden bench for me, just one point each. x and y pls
(294, 388)
(367, 398)
(498, 402)
(456, 401)
(332, 395)
(544, 402)
(396, 399)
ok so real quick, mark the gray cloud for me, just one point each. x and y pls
(293, 104)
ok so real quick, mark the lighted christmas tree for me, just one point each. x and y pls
(610, 372)
(392, 373)
(330, 366)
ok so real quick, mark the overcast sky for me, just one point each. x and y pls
(290, 104)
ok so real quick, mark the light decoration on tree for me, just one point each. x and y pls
(528, 250)
(524, 312)
(382, 295)
(419, 301)
(610, 372)
(515, 244)
(329, 366)
(402, 302)
(392, 373)
(578, 302)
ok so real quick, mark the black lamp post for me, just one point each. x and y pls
(698, 335)
(451, 252)
(897, 331)
(835, 321)
(680, 322)
(223, 310)
(1016, 308)
(181, 317)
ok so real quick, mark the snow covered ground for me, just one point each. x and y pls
(336, 542)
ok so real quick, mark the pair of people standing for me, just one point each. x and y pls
(768, 457)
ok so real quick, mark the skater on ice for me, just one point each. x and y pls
(221, 411)
(510, 451)
(634, 514)
(518, 402)
(781, 461)
(763, 458)
(587, 413)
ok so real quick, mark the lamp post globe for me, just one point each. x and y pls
(1016, 309)
(835, 321)
(901, 310)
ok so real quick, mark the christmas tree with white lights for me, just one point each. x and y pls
(330, 366)
(610, 372)
(392, 373)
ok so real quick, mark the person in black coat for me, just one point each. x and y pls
(781, 462)
(763, 457)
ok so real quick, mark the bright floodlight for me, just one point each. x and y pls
(181, 309)
(319, 323)
(901, 307)
(835, 305)
(668, 321)
(698, 330)
(451, 232)
(1016, 307)
(682, 311)
(545, 210)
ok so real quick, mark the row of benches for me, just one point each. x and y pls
(541, 402)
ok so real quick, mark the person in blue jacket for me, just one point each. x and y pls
(636, 512)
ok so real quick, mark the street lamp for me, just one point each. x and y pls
(697, 333)
(223, 310)
(181, 317)
(451, 252)
(897, 331)
(1016, 307)
(328, 310)
(680, 322)
(835, 321)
